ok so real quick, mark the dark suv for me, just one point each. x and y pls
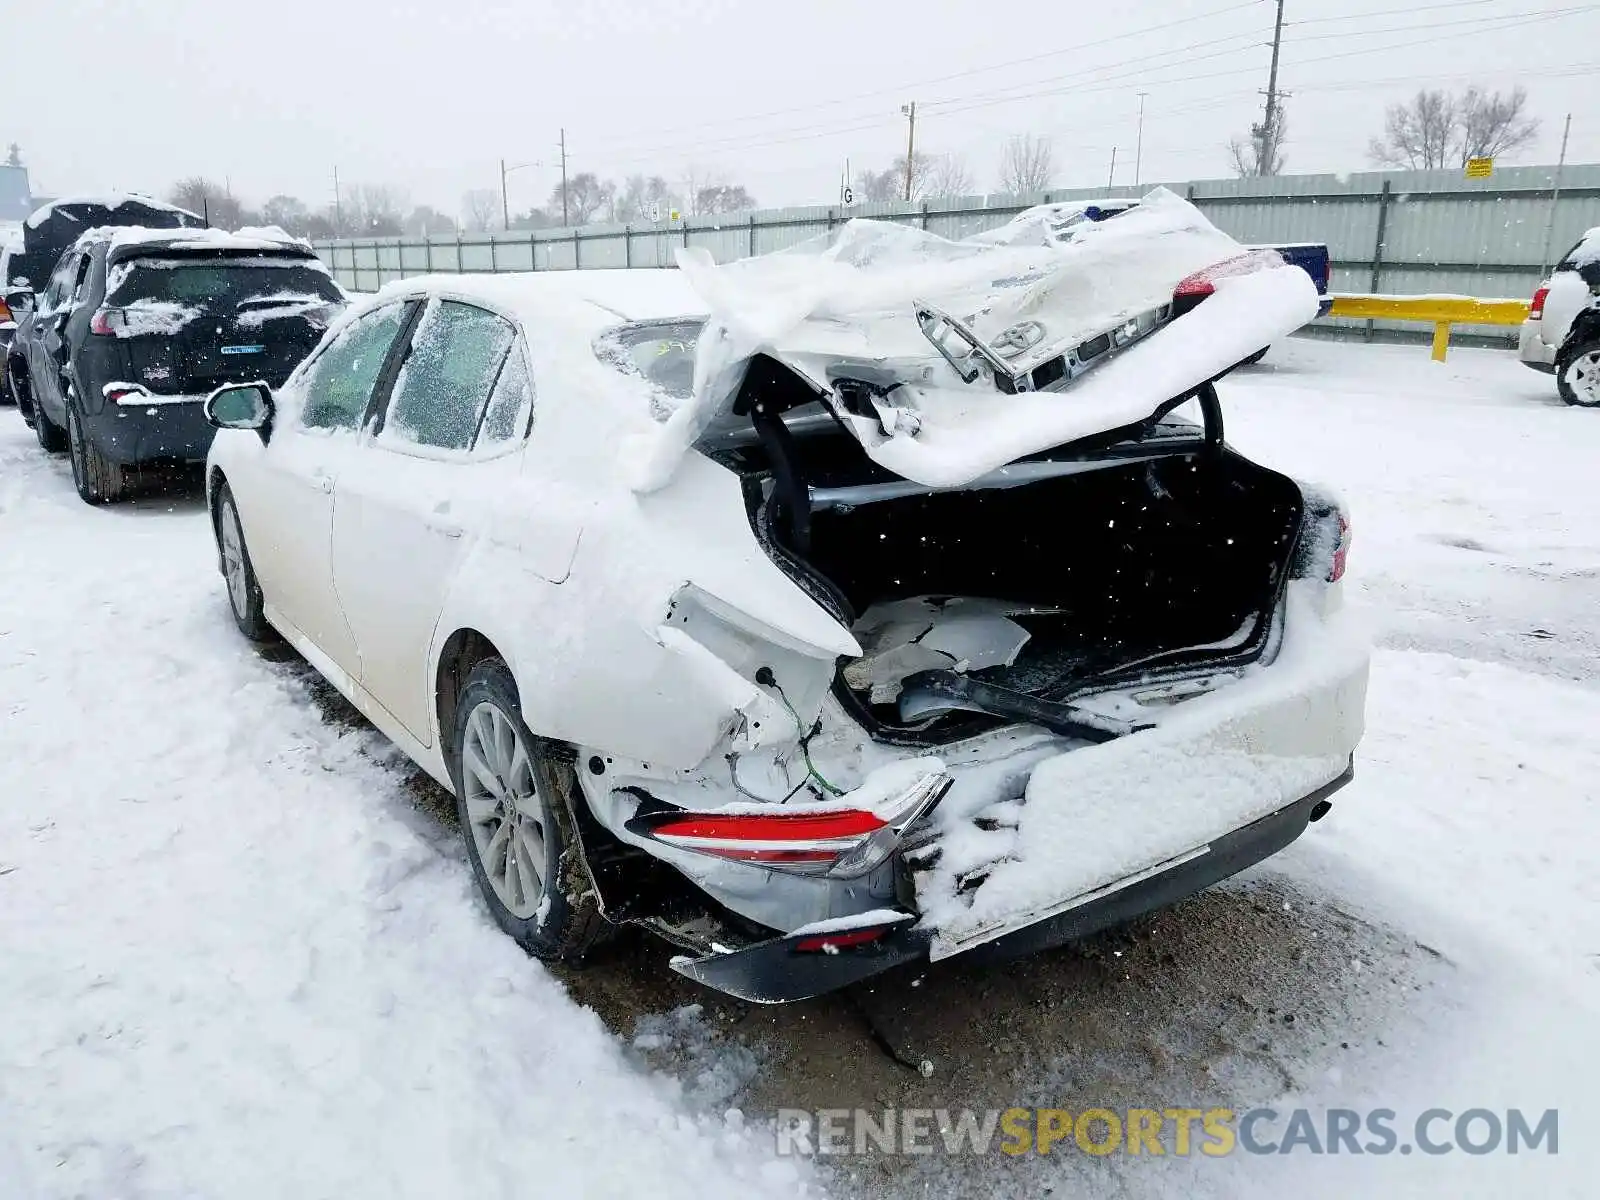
(138, 325)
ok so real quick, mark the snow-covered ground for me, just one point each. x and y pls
(237, 960)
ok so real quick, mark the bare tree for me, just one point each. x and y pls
(651, 199)
(287, 213)
(1260, 154)
(877, 186)
(382, 209)
(586, 194)
(946, 175)
(1423, 134)
(480, 209)
(1492, 124)
(723, 198)
(1025, 165)
(424, 220)
(211, 200)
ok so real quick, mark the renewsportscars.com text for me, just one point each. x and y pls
(1210, 1132)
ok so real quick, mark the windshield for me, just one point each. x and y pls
(209, 282)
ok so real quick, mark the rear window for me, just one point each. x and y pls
(1585, 253)
(662, 352)
(263, 282)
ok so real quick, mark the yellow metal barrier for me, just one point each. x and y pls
(1439, 311)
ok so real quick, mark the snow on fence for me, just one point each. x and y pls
(1410, 232)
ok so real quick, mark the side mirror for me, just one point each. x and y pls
(241, 406)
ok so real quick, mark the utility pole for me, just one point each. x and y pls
(563, 176)
(1138, 150)
(1113, 174)
(910, 111)
(338, 217)
(505, 203)
(1269, 131)
(1555, 195)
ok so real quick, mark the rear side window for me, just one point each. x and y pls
(453, 364)
(338, 383)
(510, 404)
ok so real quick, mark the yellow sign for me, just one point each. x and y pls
(1480, 168)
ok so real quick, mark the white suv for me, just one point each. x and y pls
(1558, 301)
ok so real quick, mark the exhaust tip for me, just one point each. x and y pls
(1320, 809)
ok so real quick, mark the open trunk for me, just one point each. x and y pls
(1149, 553)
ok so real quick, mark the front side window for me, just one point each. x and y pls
(442, 390)
(337, 385)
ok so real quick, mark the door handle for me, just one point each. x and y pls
(449, 531)
(325, 484)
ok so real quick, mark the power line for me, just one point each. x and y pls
(902, 88)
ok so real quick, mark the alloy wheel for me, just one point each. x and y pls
(504, 809)
(233, 561)
(1583, 378)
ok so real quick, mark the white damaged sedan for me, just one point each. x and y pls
(879, 600)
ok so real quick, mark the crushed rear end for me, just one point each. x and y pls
(1093, 658)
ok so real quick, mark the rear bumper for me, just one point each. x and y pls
(776, 972)
(1533, 350)
(163, 429)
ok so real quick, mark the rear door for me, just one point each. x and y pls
(419, 497)
(189, 323)
(46, 354)
(286, 494)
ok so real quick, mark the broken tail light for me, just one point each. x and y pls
(841, 843)
(5, 312)
(832, 943)
(1536, 308)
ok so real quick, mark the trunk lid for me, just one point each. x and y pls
(947, 360)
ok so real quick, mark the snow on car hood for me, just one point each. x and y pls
(847, 305)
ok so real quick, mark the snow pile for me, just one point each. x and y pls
(279, 305)
(112, 201)
(163, 317)
(236, 962)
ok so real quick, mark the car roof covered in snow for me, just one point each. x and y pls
(65, 206)
(128, 241)
(581, 302)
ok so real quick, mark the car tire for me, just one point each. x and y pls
(97, 478)
(511, 794)
(1578, 373)
(244, 590)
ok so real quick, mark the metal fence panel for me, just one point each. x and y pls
(1398, 232)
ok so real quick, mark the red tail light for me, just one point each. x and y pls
(841, 842)
(1536, 309)
(1341, 551)
(107, 321)
(1203, 282)
(5, 312)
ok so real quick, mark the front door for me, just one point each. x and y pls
(416, 505)
(288, 509)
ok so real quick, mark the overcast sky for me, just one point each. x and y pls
(429, 95)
